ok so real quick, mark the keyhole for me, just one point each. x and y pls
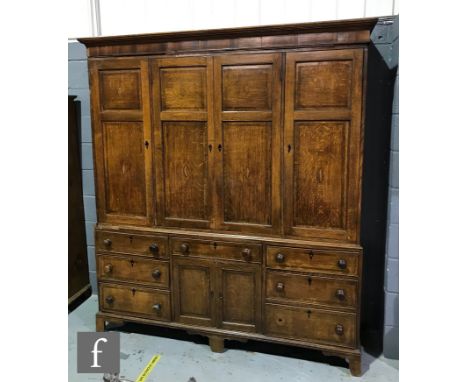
(220, 147)
(289, 148)
(133, 291)
(309, 313)
(210, 147)
(146, 144)
(309, 280)
(132, 262)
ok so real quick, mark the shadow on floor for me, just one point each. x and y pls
(249, 346)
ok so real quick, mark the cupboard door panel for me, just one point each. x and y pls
(319, 173)
(124, 168)
(192, 291)
(122, 140)
(239, 294)
(182, 104)
(322, 144)
(186, 170)
(248, 174)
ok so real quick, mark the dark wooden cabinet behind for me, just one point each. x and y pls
(228, 173)
(78, 277)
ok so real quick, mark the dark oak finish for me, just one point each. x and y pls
(122, 134)
(228, 172)
(322, 143)
(247, 99)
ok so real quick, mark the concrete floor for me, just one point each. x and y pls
(183, 358)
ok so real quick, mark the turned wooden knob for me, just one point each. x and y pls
(247, 254)
(110, 299)
(339, 329)
(280, 287)
(342, 263)
(154, 248)
(107, 242)
(108, 268)
(156, 274)
(340, 295)
(280, 258)
(184, 248)
(157, 307)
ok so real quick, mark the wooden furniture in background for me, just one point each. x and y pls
(79, 287)
(228, 170)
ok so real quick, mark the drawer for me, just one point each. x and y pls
(247, 252)
(312, 259)
(144, 245)
(321, 326)
(133, 269)
(139, 301)
(311, 289)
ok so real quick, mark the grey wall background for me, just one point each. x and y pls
(386, 40)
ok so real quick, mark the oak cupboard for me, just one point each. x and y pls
(228, 169)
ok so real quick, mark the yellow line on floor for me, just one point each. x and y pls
(148, 368)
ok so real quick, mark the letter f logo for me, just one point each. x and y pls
(95, 351)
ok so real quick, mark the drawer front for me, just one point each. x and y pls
(311, 259)
(311, 289)
(316, 325)
(133, 269)
(144, 245)
(136, 301)
(247, 252)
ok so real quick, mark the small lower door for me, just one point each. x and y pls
(193, 288)
(238, 294)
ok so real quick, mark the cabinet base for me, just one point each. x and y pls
(217, 336)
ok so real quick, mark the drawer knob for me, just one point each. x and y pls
(339, 329)
(156, 274)
(340, 295)
(280, 287)
(110, 299)
(107, 242)
(342, 263)
(247, 254)
(184, 248)
(280, 258)
(157, 307)
(154, 248)
(108, 268)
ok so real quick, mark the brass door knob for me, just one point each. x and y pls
(342, 263)
(108, 268)
(340, 294)
(247, 254)
(156, 274)
(154, 248)
(107, 242)
(339, 329)
(157, 307)
(280, 258)
(280, 287)
(184, 248)
(109, 299)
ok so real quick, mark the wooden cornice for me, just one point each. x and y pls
(267, 30)
(337, 32)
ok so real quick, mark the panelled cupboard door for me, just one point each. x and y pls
(247, 113)
(183, 132)
(193, 284)
(239, 296)
(322, 143)
(122, 140)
